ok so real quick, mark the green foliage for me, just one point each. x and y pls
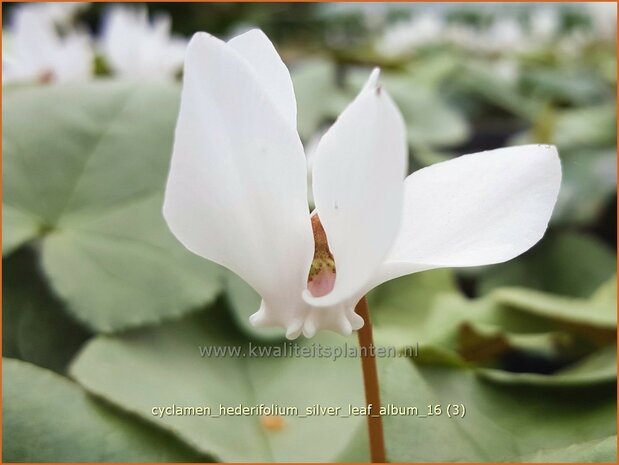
(589, 183)
(402, 309)
(85, 167)
(570, 264)
(319, 97)
(596, 450)
(425, 310)
(142, 369)
(47, 418)
(589, 311)
(501, 422)
(37, 329)
(599, 367)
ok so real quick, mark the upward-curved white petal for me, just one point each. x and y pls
(270, 70)
(358, 175)
(475, 210)
(237, 191)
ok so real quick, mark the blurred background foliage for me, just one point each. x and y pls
(103, 310)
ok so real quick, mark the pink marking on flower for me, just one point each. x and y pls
(322, 283)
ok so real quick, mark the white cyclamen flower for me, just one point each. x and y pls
(545, 25)
(504, 35)
(405, 37)
(237, 192)
(604, 18)
(35, 51)
(135, 47)
(62, 12)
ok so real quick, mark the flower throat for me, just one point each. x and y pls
(321, 278)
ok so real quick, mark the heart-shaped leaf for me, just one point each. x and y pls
(84, 168)
(47, 418)
(578, 311)
(143, 370)
(500, 422)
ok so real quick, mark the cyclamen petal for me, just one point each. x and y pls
(359, 169)
(237, 192)
(340, 318)
(37, 53)
(270, 70)
(138, 48)
(474, 210)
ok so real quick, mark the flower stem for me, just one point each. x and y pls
(370, 382)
